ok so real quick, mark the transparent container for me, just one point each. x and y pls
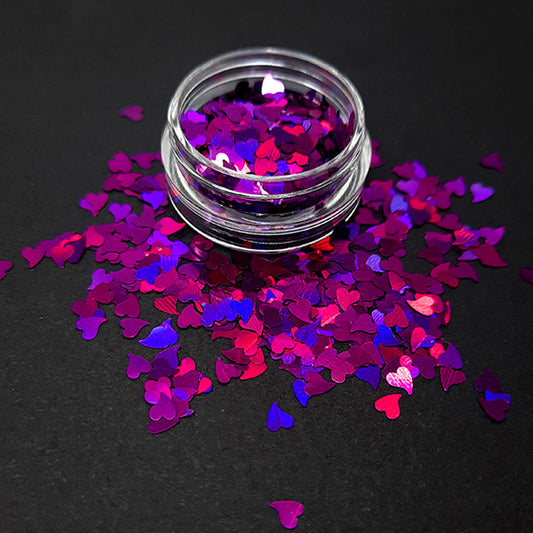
(248, 212)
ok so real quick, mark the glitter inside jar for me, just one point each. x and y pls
(258, 211)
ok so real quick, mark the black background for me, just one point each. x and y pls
(442, 82)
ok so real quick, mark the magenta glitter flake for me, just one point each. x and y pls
(134, 113)
(5, 266)
(492, 160)
(288, 511)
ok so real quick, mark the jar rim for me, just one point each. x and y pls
(339, 160)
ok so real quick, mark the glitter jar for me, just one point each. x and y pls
(266, 214)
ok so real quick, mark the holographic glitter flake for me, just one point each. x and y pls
(288, 511)
(494, 402)
(492, 160)
(278, 419)
(5, 266)
(134, 113)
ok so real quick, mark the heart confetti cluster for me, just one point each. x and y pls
(344, 307)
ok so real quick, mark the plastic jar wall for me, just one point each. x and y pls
(246, 211)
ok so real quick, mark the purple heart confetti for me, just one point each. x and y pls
(133, 112)
(492, 160)
(288, 511)
(480, 192)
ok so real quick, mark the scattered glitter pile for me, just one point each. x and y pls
(344, 307)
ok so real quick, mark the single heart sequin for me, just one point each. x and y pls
(389, 404)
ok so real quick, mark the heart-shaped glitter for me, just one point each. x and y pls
(402, 378)
(33, 255)
(164, 408)
(4, 267)
(133, 112)
(288, 511)
(480, 192)
(120, 163)
(449, 376)
(61, 253)
(496, 409)
(119, 211)
(161, 336)
(371, 374)
(492, 160)
(264, 166)
(424, 304)
(247, 149)
(277, 419)
(345, 298)
(386, 337)
(487, 382)
(389, 404)
(298, 386)
(457, 186)
(94, 202)
(128, 307)
(167, 304)
(169, 226)
(226, 371)
(451, 357)
(89, 326)
(426, 365)
(189, 317)
(316, 384)
(244, 308)
(490, 396)
(527, 275)
(253, 371)
(419, 338)
(132, 326)
(137, 365)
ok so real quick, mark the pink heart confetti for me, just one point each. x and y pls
(133, 112)
(33, 255)
(389, 404)
(288, 511)
(527, 275)
(5, 266)
(480, 192)
(137, 365)
(401, 378)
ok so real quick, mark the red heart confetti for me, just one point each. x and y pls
(288, 511)
(389, 404)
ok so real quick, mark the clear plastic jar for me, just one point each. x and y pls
(246, 211)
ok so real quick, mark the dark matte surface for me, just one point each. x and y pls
(442, 82)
